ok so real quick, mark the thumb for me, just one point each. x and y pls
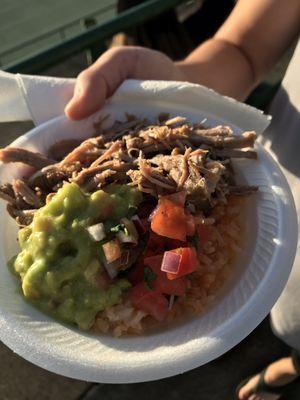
(89, 95)
(100, 80)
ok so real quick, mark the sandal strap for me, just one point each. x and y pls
(296, 360)
(263, 387)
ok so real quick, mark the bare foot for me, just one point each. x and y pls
(280, 372)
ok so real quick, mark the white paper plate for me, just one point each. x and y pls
(260, 276)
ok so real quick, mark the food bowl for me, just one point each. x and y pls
(260, 275)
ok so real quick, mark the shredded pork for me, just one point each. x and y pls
(158, 159)
(15, 154)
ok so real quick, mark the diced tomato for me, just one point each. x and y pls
(156, 243)
(170, 219)
(189, 262)
(177, 287)
(149, 301)
(174, 244)
(162, 284)
(154, 262)
(204, 234)
(150, 253)
(136, 274)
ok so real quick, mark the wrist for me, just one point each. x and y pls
(221, 66)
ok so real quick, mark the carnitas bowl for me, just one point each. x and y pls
(261, 272)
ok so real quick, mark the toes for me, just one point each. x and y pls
(243, 395)
(245, 392)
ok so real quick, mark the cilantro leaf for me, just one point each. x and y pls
(118, 228)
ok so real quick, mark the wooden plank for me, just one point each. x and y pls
(23, 20)
(51, 39)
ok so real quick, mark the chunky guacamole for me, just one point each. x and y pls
(60, 263)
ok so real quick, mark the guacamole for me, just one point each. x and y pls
(59, 261)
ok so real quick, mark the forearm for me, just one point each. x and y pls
(247, 45)
(221, 66)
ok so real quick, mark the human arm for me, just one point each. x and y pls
(246, 46)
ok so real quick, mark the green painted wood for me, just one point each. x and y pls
(29, 26)
(132, 17)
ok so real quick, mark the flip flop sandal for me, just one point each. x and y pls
(263, 387)
(296, 361)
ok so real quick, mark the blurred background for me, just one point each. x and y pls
(60, 38)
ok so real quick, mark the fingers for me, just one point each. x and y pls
(89, 95)
(99, 81)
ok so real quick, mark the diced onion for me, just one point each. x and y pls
(171, 262)
(97, 232)
(111, 269)
(171, 301)
(131, 236)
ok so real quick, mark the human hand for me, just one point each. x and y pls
(98, 82)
